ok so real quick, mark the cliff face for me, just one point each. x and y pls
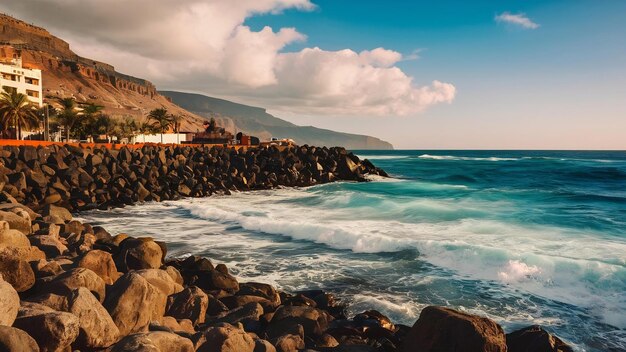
(66, 74)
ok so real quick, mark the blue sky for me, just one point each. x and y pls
(562, 85)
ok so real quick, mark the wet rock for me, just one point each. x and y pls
(9, 303)
(444, 329)
(374, 317)
(191, 303)
(157, 341)
(133, 302)
(217, 280)
(16, 340)
(246, 314)
(314, 321)
(535, 339)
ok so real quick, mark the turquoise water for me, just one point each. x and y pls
(524, 237)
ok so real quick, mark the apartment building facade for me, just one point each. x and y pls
(14, 77)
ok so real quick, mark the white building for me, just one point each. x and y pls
(23, 80)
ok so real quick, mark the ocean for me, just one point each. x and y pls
(523, 237)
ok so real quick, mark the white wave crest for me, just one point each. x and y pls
(465, 158)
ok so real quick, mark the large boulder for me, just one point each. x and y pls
(191, 303)
(314, 321)
(154, 341)
(9, 303)
(53, 331)
(138, 253)
(535, 339)
(101, 263)
(29, 254)
(250, 312)
(224, 338)
(16, 340)
(49, 244)
(16, 271)
(19, 222)
(444, 329)
(289, 343)
(162, 280)
(216, 280)
(56, 215)
(72, 279)
(12, 238)
(97, 329)
(133, 302)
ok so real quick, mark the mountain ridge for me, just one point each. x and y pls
(257, 121)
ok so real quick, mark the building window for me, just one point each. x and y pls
(33, 81)
(9, 89)
(32, 93)
(9, 77)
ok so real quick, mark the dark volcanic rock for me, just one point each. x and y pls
(444, 329)
(535, 339)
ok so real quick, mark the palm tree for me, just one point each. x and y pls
(127, 128)
(176, 120)
(144, 128)
(162, 120)
(92, 112)
(17, 110)
(92, 109)
(69, 115)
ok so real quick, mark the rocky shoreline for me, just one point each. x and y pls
(67, 285)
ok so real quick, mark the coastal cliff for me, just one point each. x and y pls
(66, 74)
(258, 122)
(67, 285)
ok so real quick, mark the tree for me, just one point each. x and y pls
(162, 120)
(89, 123)
(104, 124)
(176, 121)
(127, 128)
(145, 127)
(17, 110)
(69, 115)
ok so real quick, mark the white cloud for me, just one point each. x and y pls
(519, 19)
(205, 45)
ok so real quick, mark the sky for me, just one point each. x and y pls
(450, 74)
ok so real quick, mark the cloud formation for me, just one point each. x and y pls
(519, 19)
(205, 45)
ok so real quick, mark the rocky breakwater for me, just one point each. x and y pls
(67, 285)
(83, 179)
